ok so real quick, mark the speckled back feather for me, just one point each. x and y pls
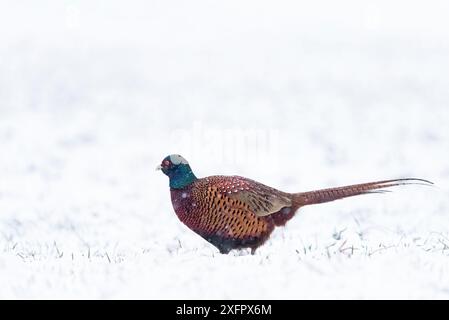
(222, 210)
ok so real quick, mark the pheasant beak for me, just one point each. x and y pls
(159, 167)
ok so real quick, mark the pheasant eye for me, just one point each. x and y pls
(165, 163)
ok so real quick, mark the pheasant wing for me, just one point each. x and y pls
(259, 198)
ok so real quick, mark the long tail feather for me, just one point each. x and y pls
(331, 194)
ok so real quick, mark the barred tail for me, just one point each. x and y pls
(331, 194)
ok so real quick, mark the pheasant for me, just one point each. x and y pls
(233, 212)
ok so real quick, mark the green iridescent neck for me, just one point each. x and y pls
(181, 177)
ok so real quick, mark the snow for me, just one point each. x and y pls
(294, 95)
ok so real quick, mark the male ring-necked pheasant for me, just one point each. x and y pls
(233, 212)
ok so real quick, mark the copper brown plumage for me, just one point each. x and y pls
(233, 212)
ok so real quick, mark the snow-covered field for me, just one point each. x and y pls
(93, 95)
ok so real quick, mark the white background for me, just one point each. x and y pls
(94, 94)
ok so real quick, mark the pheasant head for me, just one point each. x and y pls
(178, 170)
